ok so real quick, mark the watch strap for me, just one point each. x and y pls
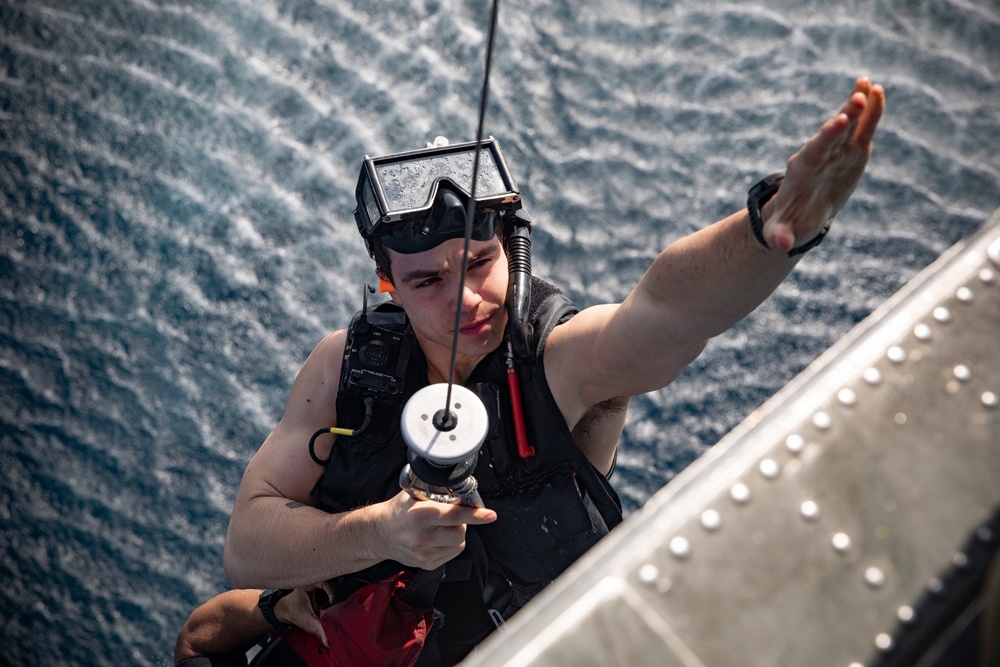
(760, 194)
(268, 599)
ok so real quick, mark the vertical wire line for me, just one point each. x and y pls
(470, 210)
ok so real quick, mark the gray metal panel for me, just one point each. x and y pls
(810, 534)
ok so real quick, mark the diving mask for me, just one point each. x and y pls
(416, 200)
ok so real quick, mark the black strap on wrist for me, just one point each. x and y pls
(760, 194)
(268, 599)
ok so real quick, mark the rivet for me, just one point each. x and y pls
(942, 314)
(424, 417)
(899, 418)
(987, 276)
(962, 372)
(922, 331)
(952, 386)
(648, 574)
(984, 534)
(884, 642)
(841, 542)
(935, 587)
(964, 294)
(769, 468)
(960, 561)
(873, 376)
(740, 493)
(663, 585)
(809, 510)
(875, 577)
(989, 399)
(855, 664)
(906, 614)
(711, 520)
(847, 397)
(453, 437)
(795, 443)
(822, 421)
(896, 354)
(680, 548)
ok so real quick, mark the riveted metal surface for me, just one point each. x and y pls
(811, 533)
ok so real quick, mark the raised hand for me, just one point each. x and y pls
(823, 173)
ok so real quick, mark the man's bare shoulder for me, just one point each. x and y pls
(283, 466)
(319, 378)
(333, 346)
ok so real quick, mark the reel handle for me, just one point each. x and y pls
(466, 494)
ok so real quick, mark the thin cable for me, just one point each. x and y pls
(470, 210)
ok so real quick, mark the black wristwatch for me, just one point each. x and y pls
(268, 599)
(760, 194)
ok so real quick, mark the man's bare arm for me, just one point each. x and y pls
(277, 539)
(273, 507)
(230, 623)
(703, 284)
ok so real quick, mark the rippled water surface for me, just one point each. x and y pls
(176, 188)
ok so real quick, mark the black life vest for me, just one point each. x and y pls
(551, 507)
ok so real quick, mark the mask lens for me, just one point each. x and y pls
(411, 184)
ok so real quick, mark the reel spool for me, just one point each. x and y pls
(443, 445)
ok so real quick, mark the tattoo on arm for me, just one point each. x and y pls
(293, 505)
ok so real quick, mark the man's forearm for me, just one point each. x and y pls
(277, 543)
(228, 624)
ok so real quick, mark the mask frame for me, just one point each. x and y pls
(407, 200)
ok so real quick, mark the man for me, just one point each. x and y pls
(586, 368)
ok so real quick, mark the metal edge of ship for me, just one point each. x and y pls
(850, 521)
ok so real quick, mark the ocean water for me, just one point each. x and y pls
(176, 189)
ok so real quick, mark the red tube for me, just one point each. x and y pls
(524, 450)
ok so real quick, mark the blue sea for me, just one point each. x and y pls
(176, 232)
